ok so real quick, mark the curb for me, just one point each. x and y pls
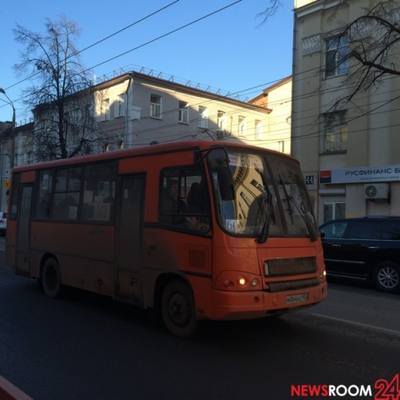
(8, 391)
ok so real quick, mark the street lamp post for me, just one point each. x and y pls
(10, 102)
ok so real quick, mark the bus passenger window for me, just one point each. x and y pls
(184, 199)
(66, 194)
(44, 195)
(99, 192)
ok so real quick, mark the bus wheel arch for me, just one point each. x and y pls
(50, 276)
(175, 305)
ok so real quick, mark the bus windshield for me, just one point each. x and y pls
(253, 189)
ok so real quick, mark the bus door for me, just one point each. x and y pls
(129, 238)
(24, 230)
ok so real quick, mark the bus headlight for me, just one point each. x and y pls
(232, 280)
(242, 281)
(322, 276)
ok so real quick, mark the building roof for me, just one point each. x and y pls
(271, 87)
(170, 85)
(8, 129)
(196, 92)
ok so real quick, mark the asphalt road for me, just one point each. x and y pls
(87, 347)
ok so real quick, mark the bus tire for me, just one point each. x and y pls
(178, 312)
(50, 278)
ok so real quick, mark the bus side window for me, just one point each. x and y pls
(99, 192)
(14, 196)
(67, 193)
(43, 202)
(184, 199)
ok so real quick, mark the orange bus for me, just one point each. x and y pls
(191, 230)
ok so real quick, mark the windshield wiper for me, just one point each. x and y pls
(288, 198)
(267, 218)
(267, 204)
(309, 225)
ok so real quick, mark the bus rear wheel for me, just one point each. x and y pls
(50, 278)
(177, 309)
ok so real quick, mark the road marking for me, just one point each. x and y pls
(391, 332)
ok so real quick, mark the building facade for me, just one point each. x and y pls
(135, 109)
(349, 151)
(278, 99)
(15, 150)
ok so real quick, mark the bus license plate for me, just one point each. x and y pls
(296, 298)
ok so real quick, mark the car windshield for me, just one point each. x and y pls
(262, 187)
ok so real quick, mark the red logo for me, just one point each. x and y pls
(388, 390)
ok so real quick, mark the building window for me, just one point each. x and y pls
(203, 120)
(334, 210)
(259, 129)
(183, 112)
(105, 109)
(119, 110)
(221, 120)
(155, 106)
(337, 50)
(241, 125)
(281, 146)
(335, 132)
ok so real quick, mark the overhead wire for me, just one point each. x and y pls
(101, 40)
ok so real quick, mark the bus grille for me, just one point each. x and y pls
(290, 266)
(291, 285)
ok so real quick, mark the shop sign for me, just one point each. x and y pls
(386, 173)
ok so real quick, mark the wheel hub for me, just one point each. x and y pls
(388, 277)
(178, 309)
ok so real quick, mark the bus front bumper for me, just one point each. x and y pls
(231, 305)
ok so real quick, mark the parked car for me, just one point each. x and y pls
(364, 248)
(3, 222)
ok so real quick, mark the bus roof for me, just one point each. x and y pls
(144, 151)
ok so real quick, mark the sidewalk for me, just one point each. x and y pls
(10, 392)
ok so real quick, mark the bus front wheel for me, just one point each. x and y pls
(177, 309)
(50, 278)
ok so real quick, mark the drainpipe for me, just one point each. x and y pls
(128, 138)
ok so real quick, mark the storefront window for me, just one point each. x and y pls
(334, 210)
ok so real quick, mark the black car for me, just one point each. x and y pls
(364, 248)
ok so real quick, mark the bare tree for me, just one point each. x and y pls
(373, 48)
(270, 10)
(60, 93)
